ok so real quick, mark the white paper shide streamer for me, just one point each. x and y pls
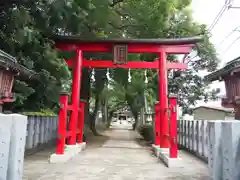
(170, 74)
(93, 75)
(146, 78)
(129, 76)
(108, 78)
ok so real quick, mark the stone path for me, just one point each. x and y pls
(118, 158)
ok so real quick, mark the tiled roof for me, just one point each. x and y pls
(230, 67)
(219, 108)
(8, 61)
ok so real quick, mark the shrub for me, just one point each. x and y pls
(146, 131)
(43, 112)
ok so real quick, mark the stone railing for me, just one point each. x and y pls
(217, 141)
(20, 135)
(12, 143)
(193, 136)
(23, 135)
(41, 132)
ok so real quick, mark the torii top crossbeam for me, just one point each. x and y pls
(168, 46)
(70, 43)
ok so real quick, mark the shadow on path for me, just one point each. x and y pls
(116, 155)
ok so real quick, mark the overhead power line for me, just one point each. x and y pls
(227, 5)
(231, 44)
(217, 18)
(229, 34)
(224, 52)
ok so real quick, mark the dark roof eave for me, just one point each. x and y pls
(26, 73)
(213, 76)
(7, 56)
(8, 61)
(79, 40)
(232, 66)
(15, 67)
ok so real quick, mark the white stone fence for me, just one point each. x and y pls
(12, 143)
(193, 136)
(216, 140)
(21, 135)
(41, 132)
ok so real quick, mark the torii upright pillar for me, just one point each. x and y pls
(157, 125)
(163, 100)
(76, 86)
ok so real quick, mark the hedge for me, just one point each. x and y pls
(146, 131)
(42, 112)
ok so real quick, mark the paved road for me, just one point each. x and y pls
(120, 157)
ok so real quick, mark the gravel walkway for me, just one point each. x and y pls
(120, 157)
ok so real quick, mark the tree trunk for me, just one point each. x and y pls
(94, 115)
(85, 93)
(109, 119)
(135, 115)
(104, 110)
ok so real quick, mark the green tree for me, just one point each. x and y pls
(22, 33)
(27, 24)
(171, 19)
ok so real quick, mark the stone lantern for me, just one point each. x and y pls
(230, 74)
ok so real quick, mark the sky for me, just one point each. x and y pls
(205, 11)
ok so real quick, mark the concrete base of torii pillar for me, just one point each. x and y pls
(69, 152)
(163, 155)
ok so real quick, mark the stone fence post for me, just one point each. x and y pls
(13, 130)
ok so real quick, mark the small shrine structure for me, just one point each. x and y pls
(230, 74)
(10, 69)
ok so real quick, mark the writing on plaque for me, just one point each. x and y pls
(120, 54)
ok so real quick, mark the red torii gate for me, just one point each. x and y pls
(120, 48)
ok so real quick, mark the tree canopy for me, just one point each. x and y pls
(27, 24)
